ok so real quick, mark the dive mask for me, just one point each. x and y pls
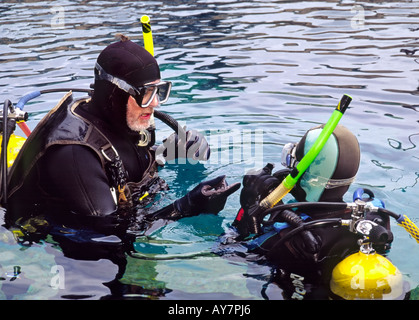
(289, 160)
(288, 157)
(143, 95)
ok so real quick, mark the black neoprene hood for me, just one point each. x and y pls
(130, 62)
(347, 158)
(127, 61)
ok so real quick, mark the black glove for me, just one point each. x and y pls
(191, 145)
(257, 185)
(207, 197)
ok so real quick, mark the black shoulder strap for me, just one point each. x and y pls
(112, 165)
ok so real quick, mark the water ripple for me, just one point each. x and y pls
(280, 66)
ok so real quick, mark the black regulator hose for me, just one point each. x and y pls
(378, 234)
(312, 245)
(302, 205)
(389, 213)
(325, 205)
(88, 91)
(172, 123)
(307, 226)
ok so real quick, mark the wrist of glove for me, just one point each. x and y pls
(190, 145)
(207, 197)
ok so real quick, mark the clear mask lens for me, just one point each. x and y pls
(145, 95)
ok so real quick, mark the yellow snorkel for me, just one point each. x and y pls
(147, 34)
(149, 46)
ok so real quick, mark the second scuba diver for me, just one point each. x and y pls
(311, 253)
(90, 161)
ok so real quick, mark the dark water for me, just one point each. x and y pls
(253, 75)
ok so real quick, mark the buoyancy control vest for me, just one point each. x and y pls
(63, 126)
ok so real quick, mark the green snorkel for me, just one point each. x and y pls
(289, 182)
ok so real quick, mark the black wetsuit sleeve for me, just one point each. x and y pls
(74, 173)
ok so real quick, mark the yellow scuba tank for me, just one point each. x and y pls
(15, 144)
(366, 276)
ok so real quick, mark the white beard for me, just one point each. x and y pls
(137, 127)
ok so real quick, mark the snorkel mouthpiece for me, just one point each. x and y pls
(343, 104)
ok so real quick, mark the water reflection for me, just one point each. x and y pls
(276, 65)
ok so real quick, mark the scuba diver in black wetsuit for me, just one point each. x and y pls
(90, 161)
(306, 257)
